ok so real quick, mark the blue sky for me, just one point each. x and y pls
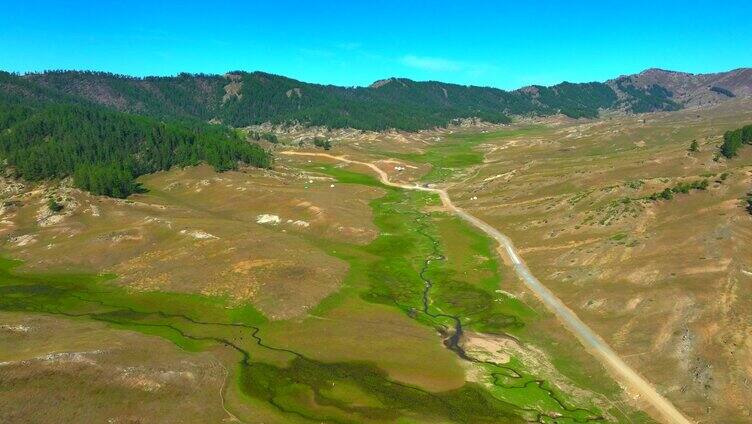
(496, 43)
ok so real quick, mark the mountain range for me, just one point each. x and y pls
(245, 98)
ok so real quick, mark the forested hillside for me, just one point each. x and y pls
(106, 129)
(733, 140)
(44, 136)
(240, 99)
(183, 96)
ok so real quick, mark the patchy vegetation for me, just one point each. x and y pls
(679, 188)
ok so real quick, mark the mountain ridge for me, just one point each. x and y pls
(240, 98)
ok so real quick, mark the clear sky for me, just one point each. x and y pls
(496, 43)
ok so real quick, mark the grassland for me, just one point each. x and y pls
(368, 352)
(384, 308)
(62, 370)
(456, 151)
(195, 219)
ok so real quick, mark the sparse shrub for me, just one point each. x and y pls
(635, 184)
(322, 143)
(619, 236)
(54, 205)
(270, 137)
(682, 188)
(679, 188)
(666, 194)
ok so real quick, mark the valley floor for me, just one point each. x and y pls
(316, 292)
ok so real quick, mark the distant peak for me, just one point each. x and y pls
(659, 71)
(234, 76)
(382, 82)
(530, 89)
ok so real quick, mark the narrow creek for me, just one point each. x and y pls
(453, 340)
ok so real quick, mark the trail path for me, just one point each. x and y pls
(594, 343)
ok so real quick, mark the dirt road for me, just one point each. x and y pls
(597, 346)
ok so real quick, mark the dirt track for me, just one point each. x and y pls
(597, 346)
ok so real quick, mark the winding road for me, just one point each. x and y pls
(594, 343)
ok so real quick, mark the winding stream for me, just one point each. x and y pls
(452, 342)
(589, 338)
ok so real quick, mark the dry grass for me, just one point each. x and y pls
(196, 231)
(69, 371)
